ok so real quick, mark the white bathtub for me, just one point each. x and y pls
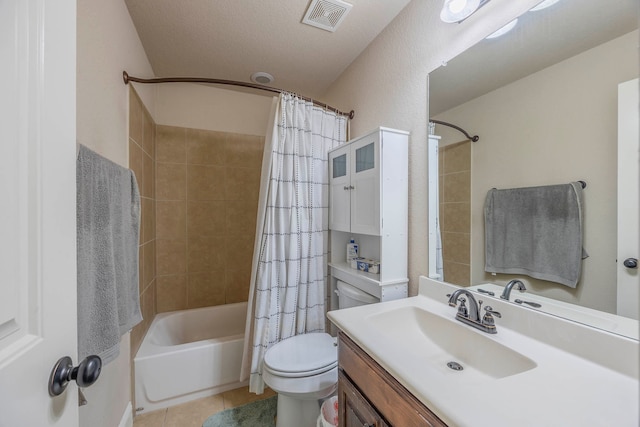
(190, 354)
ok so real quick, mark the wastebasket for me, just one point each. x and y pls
(329, 413)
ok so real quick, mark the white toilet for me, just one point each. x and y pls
(303, 369)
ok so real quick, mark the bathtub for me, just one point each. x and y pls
(188, 355)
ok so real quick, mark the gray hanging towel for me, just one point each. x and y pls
(535, 231)
(108, 225)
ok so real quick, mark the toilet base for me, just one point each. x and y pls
(297, 413)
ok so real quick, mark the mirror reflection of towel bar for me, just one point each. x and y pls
(583, 184)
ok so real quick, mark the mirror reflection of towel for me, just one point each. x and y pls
(536, 231)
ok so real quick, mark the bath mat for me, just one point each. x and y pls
(260, 413)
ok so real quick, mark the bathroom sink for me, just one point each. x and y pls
(448, 344)
(539, 357)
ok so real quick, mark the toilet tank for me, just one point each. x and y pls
(350, 296)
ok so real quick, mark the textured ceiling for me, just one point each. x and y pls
(232, 39)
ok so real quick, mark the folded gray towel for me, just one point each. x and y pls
(108, 225)
(536, 231)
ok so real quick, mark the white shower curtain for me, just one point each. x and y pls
(439, 254)
(288, 283)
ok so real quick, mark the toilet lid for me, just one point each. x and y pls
(303, 354)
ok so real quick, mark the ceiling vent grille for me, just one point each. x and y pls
(326, 14)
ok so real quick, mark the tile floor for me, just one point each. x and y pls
(194, 413)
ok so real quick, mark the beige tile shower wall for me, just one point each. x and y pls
(142, 152)
(207, 186)
(455, 211)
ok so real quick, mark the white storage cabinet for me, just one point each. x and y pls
(355, 186)
(369, 201)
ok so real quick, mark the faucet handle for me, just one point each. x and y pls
(488, 320)
(462, 308)
(490, 311)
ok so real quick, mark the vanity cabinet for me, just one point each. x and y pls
(369, 396)
(368, 201)
(354, 409)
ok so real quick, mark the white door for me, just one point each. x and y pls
(628, 199)
(365, 185)
(339, 190)
(37, 215)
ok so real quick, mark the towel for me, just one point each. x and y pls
(108, 225)
(536, 231)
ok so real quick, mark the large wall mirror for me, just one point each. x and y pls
(543, 99)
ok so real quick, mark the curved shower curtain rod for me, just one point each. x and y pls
(127, 78)
(473, 138)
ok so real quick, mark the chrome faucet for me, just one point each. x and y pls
(473, 305)
(507, 289)
(472, 315)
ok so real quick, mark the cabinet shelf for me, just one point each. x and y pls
(370, 283)
(370, 278)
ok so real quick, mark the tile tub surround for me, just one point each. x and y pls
(142, 163)
(583, 376)
(207, 186)
(455, 210)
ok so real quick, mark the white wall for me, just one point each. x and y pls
(387, 85)
(107, 44)
(212, 108)
(556, 126)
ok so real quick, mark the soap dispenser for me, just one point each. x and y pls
(352, 250)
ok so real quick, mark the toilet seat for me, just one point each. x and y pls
(302, 356)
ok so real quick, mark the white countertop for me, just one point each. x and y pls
(582, 377)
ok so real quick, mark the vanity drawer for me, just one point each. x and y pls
(389, 398)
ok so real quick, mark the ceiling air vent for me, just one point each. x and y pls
(326, 14)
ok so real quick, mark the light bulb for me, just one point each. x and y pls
(456, 6)
(458, 10)
(503, 30)
(545, 4)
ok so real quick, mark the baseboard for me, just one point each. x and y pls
(127, 417)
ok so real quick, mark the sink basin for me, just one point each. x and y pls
(442, 340)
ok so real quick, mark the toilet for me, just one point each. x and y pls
(303, 369)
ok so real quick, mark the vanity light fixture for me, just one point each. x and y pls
(545, 4)
(459, 10)
(503, 30)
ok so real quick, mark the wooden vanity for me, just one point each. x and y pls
(369, 396)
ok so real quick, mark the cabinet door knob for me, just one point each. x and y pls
(345, 187)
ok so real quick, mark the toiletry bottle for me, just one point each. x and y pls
(352, 250)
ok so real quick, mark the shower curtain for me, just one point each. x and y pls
(289, 271)
(439, 255)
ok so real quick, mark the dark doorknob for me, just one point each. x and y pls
(631, 263)
(85, 374)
